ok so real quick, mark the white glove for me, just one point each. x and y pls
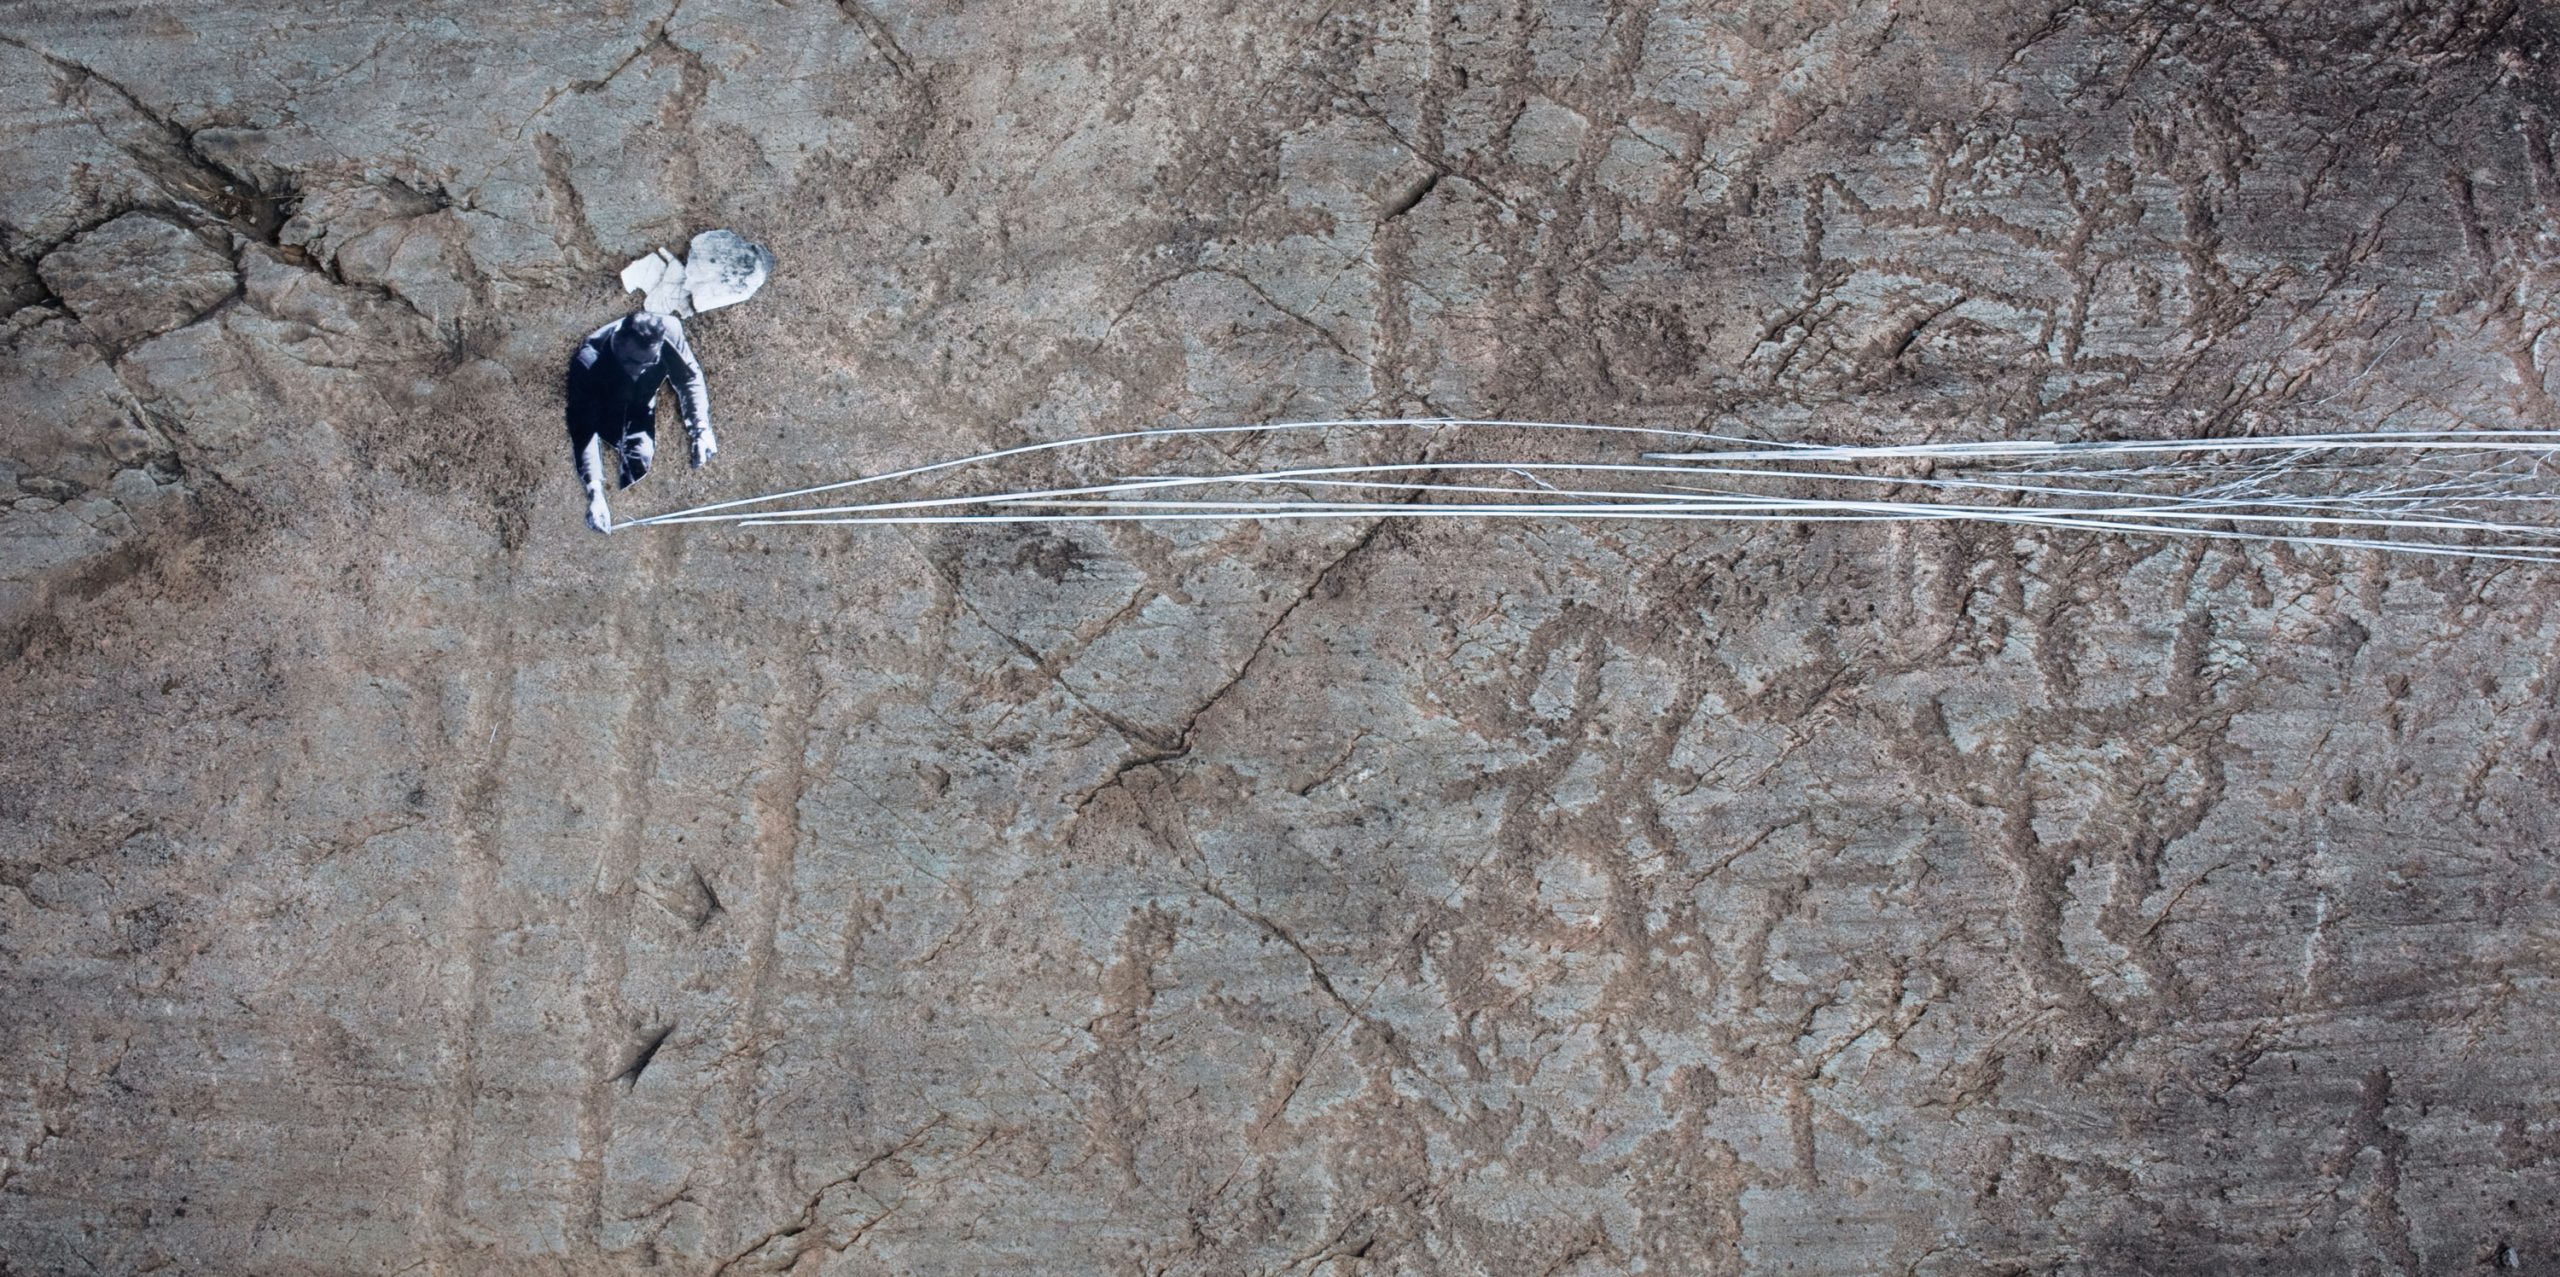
(599, 515)
(705, 446)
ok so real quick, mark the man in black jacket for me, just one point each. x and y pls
(613, 401)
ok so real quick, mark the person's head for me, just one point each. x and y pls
(641, 338)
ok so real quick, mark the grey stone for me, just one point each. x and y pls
(395, 876)
(138, 275)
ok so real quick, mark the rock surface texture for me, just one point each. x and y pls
(396, 877)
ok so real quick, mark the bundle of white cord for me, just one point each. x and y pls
(2467, 493)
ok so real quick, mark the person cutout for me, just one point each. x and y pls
(613, 401)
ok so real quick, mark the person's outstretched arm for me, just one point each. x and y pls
(693, 396)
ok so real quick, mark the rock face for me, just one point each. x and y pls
(136, 276)
(396, 877)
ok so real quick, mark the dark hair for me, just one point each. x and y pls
(644, 326)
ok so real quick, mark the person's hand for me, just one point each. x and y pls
(599, 515)
(705, 446)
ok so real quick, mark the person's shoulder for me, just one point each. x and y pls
(592, 347)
